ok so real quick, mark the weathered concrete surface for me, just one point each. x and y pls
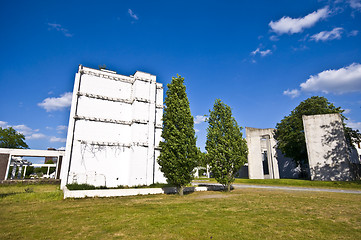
(326, 147)
(256, 146)
(114, 129)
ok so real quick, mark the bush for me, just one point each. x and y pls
(84, 186)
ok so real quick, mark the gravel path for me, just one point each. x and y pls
(310, 189)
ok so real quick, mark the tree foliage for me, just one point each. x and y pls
(179, 153)
(290, 133)
(10, 138)
(227, 149)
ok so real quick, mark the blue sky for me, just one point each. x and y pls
(262, 58)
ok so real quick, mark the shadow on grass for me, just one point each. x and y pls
(189, 190)
(3, 195)
(214, 187)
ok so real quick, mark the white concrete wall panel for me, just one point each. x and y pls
(159, 99)
(138, 166)
(105, 87)
(159, 116)
(255, 167)
(158, 176)
(140, 133)
(102, 132)
(255, 148)
(91, 107)
(326, 147)
(140, 111)
(158, 136)
(141, 90)
(97, 163)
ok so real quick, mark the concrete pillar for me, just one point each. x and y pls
(25, 171)
(20, 169)
(13, 171)
(255, 164)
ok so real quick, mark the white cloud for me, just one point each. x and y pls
(59, 28)
(343, 80)
(353, 33)
(328, 35)
(354, 125)
(28, 132)
(274, 38)
(296, 25)
(346, 111)
(355, 4)
(132, 14)
(24, 129)
(262, 53)
(3, 124)
(196, 130)
(292, 93)
(56, 139)
(61, 128)
(56, 103)
(199, 119)
(36, 136)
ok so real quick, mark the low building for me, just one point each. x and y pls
(13, 157)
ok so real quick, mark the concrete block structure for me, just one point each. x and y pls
(114, 129)
(262, 162)
(326, 147)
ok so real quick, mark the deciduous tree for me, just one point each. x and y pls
(290, 133)
(10, 138)
(179, 154)
(226, 148)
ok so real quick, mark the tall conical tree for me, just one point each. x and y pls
(179, 153)
(227, 149)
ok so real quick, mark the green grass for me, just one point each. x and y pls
(293, 182)
(241, 214)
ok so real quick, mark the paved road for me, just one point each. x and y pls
(285, 188)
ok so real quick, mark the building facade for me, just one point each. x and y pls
(114, 129)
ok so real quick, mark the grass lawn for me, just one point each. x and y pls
(293, 182)
(39, 212)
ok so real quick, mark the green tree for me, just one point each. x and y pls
(179, 153)
(10, 138)
(226, 148)
(290, 133)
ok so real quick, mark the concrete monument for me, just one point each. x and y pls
(327, 151)
(114, 129)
